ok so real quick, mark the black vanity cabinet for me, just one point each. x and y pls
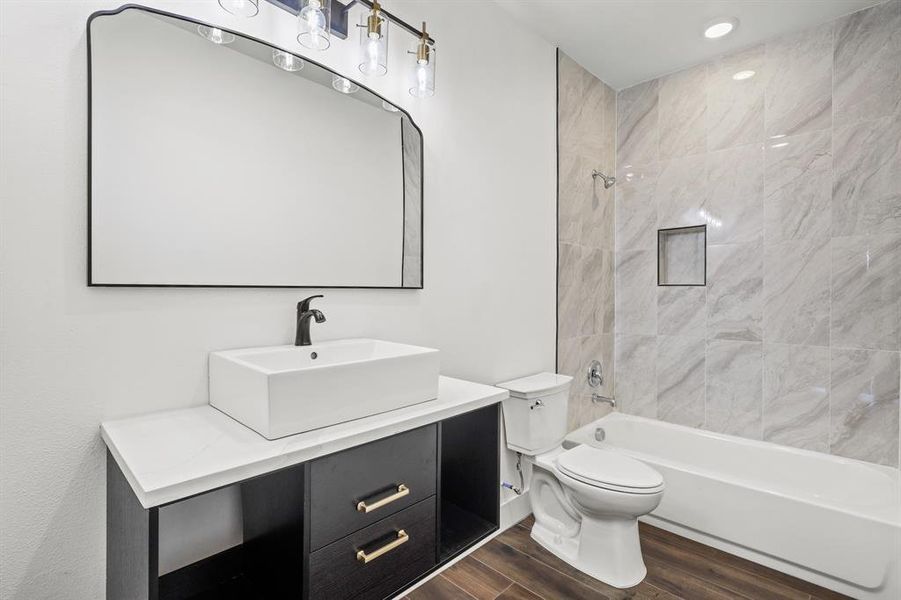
(363, 523)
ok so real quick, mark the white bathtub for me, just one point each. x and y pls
(832, 521)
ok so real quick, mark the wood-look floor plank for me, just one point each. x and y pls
(650, 533)
(682, 585)
(719, 573)
(517, 592)
(477, 579)
(438, 588)
(519, 538)
(534, 575)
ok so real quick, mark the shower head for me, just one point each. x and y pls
(608, 180)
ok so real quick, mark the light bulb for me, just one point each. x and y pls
(373, 43)
(313, 26)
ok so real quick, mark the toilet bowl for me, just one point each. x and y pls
(586, 501)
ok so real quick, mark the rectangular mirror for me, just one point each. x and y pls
(212, 166)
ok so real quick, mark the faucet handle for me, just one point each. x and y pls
(304, 305)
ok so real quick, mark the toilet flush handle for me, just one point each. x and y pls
(536, 404)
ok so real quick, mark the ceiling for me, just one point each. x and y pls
(625, 42)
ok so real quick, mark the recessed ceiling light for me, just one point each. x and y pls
(742, 75)
(719, 28)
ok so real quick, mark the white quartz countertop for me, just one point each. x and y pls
(171, 455)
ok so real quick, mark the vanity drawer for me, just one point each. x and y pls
(360, 486)
(399, 548)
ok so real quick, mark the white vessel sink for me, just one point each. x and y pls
(283, 390)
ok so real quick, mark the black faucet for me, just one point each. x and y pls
(304, 314)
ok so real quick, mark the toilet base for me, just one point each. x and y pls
(607, 549)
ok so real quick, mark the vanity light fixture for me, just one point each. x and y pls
(287, 61)
(742, 75)
(313, 22)
(241, 8)
(720, 27)
(345, 86)
(374, 41)
(216, 35)
(423, 84)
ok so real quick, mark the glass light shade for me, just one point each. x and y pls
(373, 46)
(287, 61)
(423, 76)
(216, 35)
(313, 23)
(241, 8)
(345, 86)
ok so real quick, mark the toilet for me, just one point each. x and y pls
(586, 501)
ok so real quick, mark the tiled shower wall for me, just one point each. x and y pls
(796, 172)
(586, 130)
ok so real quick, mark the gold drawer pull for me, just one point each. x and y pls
(402, 491)
(402, 538)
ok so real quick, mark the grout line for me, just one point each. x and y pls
(503, 591)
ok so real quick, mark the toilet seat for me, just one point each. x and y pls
(609, 470)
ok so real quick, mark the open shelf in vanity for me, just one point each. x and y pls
(364, 518)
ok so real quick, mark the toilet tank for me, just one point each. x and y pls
(535, 413)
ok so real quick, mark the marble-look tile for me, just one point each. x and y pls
(799, 82)
(864, 398)
(796, 396)
(574, 192)
(796, 280)
(636, 208)
(866, 292)
(570, 315)
(636, 296)
(681, 192)
(571, 86)
(866, 193)
(683, 113)
(569, 360)
(682, 311)
(735, 108)
(680, 380)
(735, 292)
(597, 286)
(735, 388)
(636, 374)
(867, 52)
(798, 188)
(636, 124)
(598, 215)
(734, 205)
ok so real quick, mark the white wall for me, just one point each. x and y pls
(73, 356)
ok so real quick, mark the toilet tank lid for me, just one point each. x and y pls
(534, 386)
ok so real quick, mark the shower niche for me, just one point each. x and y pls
(682, 256)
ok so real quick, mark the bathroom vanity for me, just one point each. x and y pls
(361, 509)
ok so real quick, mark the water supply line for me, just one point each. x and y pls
(522, 483)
